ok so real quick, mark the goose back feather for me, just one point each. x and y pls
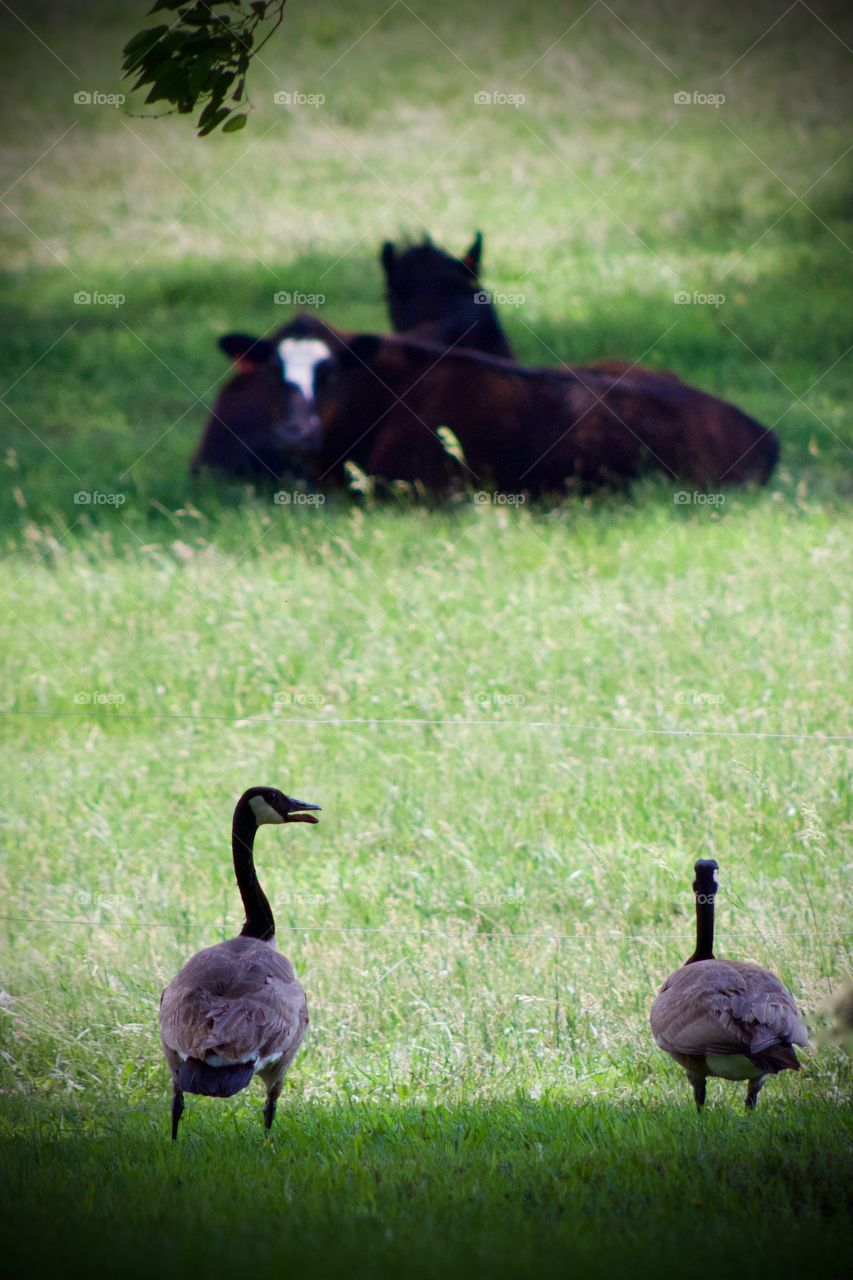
(723, 1007)
(235, 1004)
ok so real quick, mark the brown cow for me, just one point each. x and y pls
(262, 424)
(381, 400)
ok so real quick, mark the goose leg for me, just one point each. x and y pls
(272, 1099)
(699, 1088)
(177, 1111)
(753, 1089)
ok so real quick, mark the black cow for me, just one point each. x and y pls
(438, 298)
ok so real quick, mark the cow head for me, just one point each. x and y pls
(425, 284)
(312, 354)
(295, 358)
(264, 422)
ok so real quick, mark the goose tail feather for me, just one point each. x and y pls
(779, 1057)
(195, 1076)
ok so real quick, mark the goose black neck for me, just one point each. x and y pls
(704, 927)
(259, 918)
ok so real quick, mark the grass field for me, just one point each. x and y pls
(523, 724)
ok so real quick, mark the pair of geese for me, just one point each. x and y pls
(236, 1010)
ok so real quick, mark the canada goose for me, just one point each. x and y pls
(723, 1017)
(236, 1010)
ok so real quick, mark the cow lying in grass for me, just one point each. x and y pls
(259, 428)
(438, 298)
(380, 401)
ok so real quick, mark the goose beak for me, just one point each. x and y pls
(295, 805)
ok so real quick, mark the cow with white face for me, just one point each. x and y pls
(264, 422)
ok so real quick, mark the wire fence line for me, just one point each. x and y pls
(580, 939)
(425, 722)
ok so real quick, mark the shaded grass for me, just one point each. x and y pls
(418, 1192)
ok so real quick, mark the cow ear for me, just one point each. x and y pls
(387, 258)
(245, 351)
(472, 257)
(360, 351)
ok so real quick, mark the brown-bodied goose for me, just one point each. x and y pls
(723, 1017)
(235, 1010)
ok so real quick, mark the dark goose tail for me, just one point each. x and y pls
(195, 1076)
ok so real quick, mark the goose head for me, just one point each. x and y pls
(706, 880)
(269, 805)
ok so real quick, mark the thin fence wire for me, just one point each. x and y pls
(580, 939)
(425, 722)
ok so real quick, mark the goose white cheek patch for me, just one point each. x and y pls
(299, 359)
(264, 813)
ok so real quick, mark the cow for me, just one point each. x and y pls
(436, 297)
(380, 401)
(256, 430)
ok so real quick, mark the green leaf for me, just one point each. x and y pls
(202, 59)
(139, 45)
(170, 86)
(149, 36)
(213, 121)
(214, 105)
(198, 74)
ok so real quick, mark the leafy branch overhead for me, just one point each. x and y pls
(200, 60)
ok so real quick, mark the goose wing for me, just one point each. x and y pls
(236, 1002)
(715, 1006)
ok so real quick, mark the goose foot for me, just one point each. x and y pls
(269, 1109)
(753, 1089)
(177, 1112)
(699, 1090)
